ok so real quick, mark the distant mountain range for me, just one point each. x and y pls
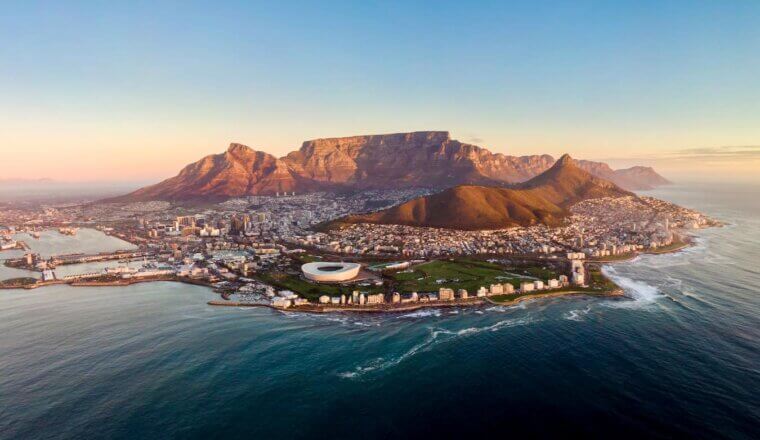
(403, 160)
(544, 199)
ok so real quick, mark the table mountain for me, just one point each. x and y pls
(402, 160)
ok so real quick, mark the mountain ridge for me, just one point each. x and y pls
(545, 199)
(388, 161)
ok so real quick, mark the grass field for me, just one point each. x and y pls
(306, 258)
(458, 274)
(534, 272)
(309, 290)
(598, 282)
(462, 273)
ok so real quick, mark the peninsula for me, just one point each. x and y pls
(363, 250)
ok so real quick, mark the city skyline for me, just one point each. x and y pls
(134, 93)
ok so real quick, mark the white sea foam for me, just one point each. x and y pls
(492, 328)
(501, 309)
(577, 315)
(435, 337)
(379, 364)
(338, 319)
(425, 313)
(197, 317)
(641, 293)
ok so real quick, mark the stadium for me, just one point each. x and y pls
(325, 272)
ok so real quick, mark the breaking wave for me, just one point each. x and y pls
(425, 313)
(522, 305)
(577, 315)
(641, 293)
(435, 337)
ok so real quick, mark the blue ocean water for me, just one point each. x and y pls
(680, 358)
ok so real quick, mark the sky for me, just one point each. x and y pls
(133, 91)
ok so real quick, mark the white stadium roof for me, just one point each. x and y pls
(326, 271)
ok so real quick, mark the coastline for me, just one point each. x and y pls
(676, 247)
(109, 283)
(390, 308)
(380, 308)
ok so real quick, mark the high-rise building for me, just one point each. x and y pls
(445, 294)
(187, 220)
(240, 224)
(578, 272)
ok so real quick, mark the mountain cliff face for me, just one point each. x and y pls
(402, 160)
(387, 161)
(541, 200)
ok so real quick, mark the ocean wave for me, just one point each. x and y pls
(333, 319)
(663, 261)
(522, 305)
(435, 337)
(424, 313)
(577, 315)
(491, 328)
(208, 318)
(640, 292)
(673, 282)
(379, 364)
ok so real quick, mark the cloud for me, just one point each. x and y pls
(476, 140)
(698, 154)
(727, 153)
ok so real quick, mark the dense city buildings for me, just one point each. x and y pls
(275, 249)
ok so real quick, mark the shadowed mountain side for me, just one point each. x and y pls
(542, 200)
(470, 208)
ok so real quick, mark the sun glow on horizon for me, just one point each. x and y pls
(136, 92)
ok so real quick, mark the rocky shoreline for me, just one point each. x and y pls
(393, 308)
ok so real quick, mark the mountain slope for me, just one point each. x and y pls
(541, 200)
(393, 161)
(240, 170)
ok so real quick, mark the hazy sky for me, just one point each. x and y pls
(98, 90)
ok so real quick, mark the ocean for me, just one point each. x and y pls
(679, 359)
